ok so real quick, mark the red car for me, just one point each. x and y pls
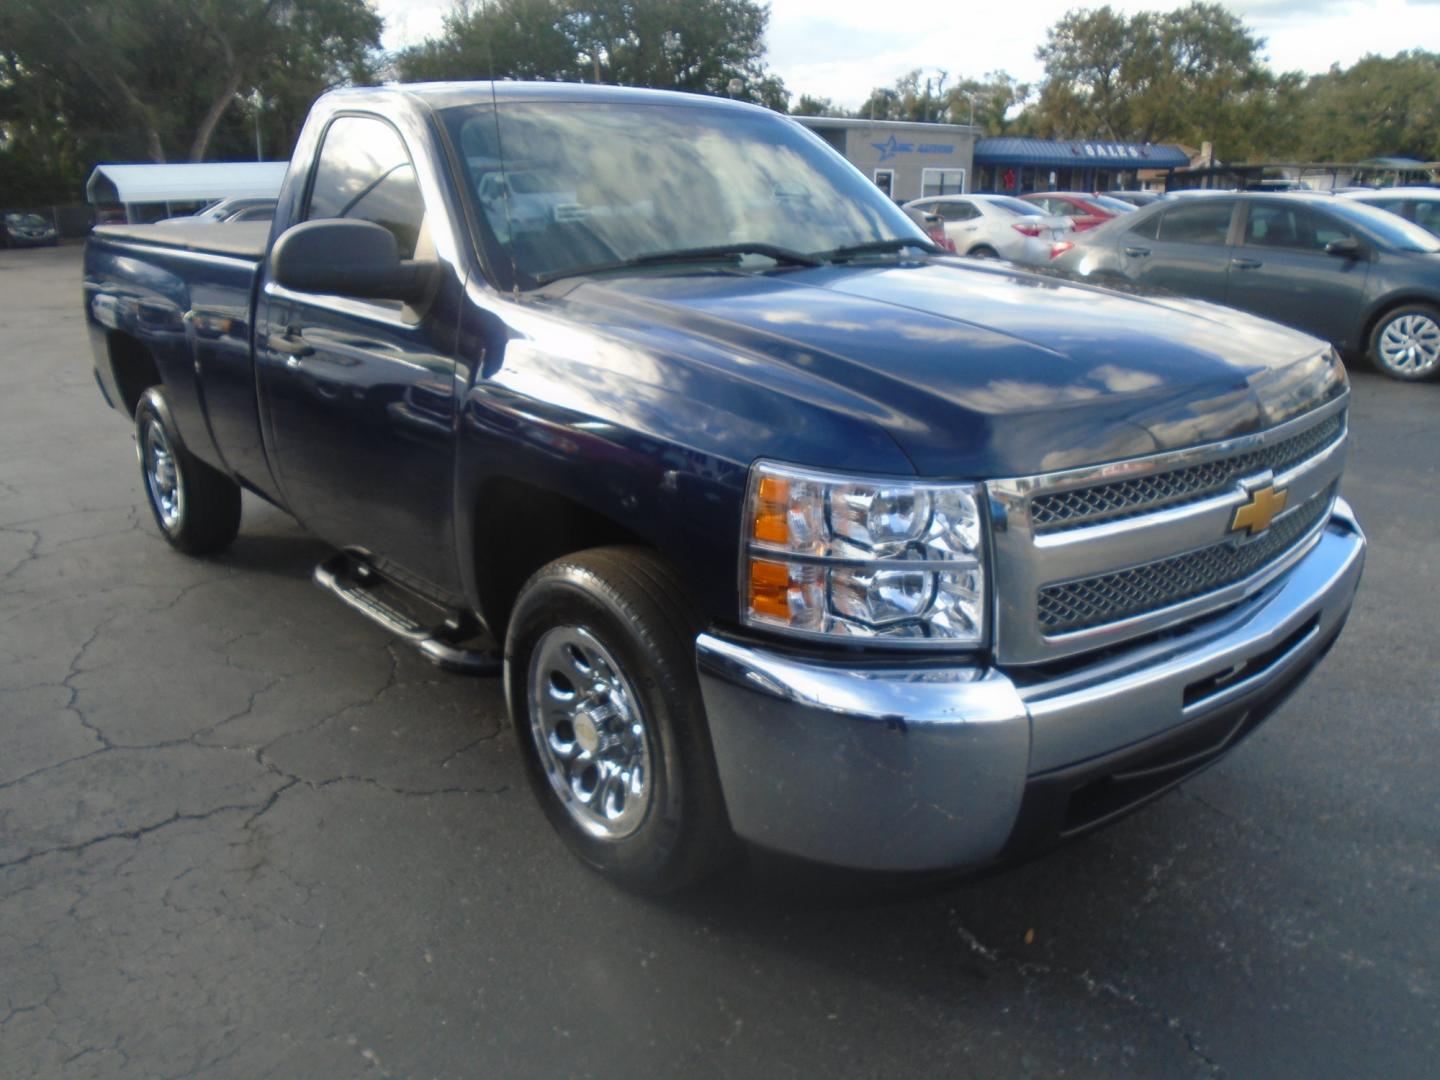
(1086, 211)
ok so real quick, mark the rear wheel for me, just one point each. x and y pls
(196, 507)
(600, 675)
(1405, 343)
(983, 252)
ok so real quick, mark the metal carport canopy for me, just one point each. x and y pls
(185, 182)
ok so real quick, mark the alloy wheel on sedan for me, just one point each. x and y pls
(1407, 344)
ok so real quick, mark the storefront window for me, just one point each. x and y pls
(942, 182)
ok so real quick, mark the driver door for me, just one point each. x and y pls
(359, 394)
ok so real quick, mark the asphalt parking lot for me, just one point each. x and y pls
(244, 833)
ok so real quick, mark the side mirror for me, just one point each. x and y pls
(1347, 247)
(347, 258)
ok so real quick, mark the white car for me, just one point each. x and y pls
(1418, 204)
(224, 211)
(998, 227)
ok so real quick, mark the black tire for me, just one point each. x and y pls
(196, 507)
(1419, 323)
(630, 603)
(983, 251)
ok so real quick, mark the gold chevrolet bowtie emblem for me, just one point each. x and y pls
(1255, 516)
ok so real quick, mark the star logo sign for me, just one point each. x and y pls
(890, 147)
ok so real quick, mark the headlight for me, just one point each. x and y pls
(893, 561)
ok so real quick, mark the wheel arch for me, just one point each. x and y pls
(132, 366)
(515, 528)
(1387, 305)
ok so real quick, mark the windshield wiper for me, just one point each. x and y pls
(878, 247)
(781, 256)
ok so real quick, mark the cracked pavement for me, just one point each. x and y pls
(245, 833)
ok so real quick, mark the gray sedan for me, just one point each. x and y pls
(1360, 277)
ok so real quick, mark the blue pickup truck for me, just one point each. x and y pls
(781, 525)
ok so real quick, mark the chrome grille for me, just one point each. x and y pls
(1078, 605)
(1140, 495)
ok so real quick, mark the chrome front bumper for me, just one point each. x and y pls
(929, 766)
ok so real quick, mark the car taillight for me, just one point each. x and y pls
(1026, 229)
(937, 234)
(1059, 248)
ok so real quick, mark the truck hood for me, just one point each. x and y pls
(982, 371)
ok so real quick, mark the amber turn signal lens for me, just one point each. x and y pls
(772, 506)
(770, 589)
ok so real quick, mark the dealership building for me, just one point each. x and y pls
(1018, 166)
(911, 160)
(905, 160)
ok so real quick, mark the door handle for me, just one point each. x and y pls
(1138, 252)
(292, 344)
(1246, 264)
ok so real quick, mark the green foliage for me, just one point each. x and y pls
(83, 81)
(816, 106)
(1378, 107)
(696, 45)
(1188, 75)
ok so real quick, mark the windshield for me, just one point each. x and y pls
(1389, 228)
(1015, 206)
(30, 221)
(588, 184)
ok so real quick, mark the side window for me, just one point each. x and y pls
(1295, 227)
(1204, 221)
(1324, 230)
(1149, 229)
(1427, 214)
(363, 172)
(956, 211)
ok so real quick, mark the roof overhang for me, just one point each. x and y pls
(1065, 153)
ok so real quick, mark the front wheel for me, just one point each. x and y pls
(196, 507)
(600, 676)
(1405, 343)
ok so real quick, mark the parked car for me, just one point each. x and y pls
(933, 225)
(27, 230)
(1418, 204)
(1086, 211)
(997, 227)
(1358, 276)
(223, 211)
(779, 523)
(1134, 198)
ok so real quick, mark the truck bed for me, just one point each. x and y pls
(240, 240)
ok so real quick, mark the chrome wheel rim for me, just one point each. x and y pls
(162, 476)
(590, 732)
(1410, 345)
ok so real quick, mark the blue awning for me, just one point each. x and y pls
(1055, 153)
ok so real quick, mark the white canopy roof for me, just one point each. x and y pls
(187, 182)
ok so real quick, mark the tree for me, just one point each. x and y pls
(1188, 75)
(915, 96)
(1378, 107)
(703, 46)
(156, 78)
(816, 106)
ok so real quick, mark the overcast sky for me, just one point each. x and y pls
(840, 49)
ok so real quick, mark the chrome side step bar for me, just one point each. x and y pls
(447, 645)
